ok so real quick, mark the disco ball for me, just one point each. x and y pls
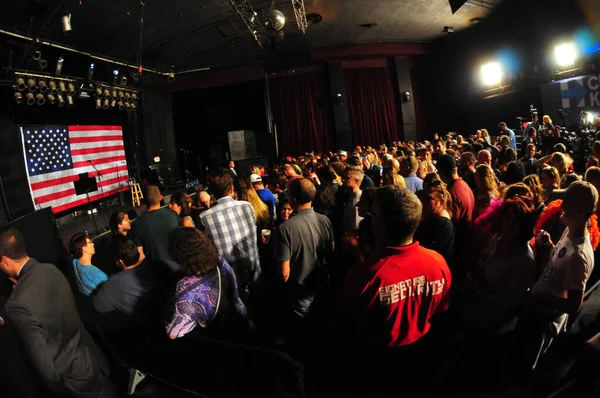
(274, 20)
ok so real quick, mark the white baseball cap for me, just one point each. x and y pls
(255, 178)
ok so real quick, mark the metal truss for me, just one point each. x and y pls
(250, 18)
(300, 13)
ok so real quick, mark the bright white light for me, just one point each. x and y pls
(566, 54)
(491, 74)
(590, 118)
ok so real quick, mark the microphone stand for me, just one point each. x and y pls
(102, 191)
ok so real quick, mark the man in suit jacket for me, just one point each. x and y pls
(42, 310)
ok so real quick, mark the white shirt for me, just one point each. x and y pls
(351, 217)
(570, 266)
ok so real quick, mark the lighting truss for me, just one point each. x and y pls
(250, 18)
(300, 13)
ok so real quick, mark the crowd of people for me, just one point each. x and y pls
(380, 248)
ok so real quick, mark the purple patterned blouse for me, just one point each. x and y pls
(196, 300)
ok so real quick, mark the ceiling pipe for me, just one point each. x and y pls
(74, 50)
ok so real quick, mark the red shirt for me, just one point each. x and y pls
(389, 301)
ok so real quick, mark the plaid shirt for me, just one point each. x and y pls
(231, 224)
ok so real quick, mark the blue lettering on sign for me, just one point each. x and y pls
(577, 92)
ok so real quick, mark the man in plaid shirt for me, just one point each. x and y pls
(231, 224)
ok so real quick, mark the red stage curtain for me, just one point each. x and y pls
(301, 111)
(372, 107)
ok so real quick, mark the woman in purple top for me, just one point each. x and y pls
(207, 294)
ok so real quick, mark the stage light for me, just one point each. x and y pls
(43, 86)
(90, 74)
(115, 76)
(123, 80)
(18, 97)
(134, 97)
(69, 100)
(51, 99)
(113, 102)
(60, 99)
(133, 106)
(121, 95)
(135, 77)
(42, 63)
(113, 94)
(37, 55)
(71, 88)
(30, 98)
(40, 99)
(127, 105)
(98, 92)
(105, 104)
(491, 74)
(121, 105)
(52, 86)
(171, 77)
(127, 96)
(566, 54)
(61, 87)
(21, 84)
(32, 85)
(59, 65)
(65, 21)
(98, 103)
(590, 117)
(106, 93)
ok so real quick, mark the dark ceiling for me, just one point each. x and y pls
(185, 34)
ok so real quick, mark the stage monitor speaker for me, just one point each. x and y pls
(242, 144)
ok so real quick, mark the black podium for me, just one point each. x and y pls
(84, 185)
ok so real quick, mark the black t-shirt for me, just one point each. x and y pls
(153, 229)
(437, 234)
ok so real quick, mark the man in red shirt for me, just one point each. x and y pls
(389, 300)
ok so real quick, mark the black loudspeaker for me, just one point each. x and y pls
(242, 144)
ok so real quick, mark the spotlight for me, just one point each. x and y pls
(121, 105)
(30, 98)
(51, 99)
(59, 65)
(135, 77)
(69, 100)
(21, 84)
(61, 87)
(134, 97)
(60, 99)
(106, 93)
(491, 74)
(106, 104)
(127, 97)
(52, 85)
(40, 99)
(65, 21)
(32, 85)
(123, 80)
(37, 55)
(113, 102)
(121, 95)
(98, 92)
(18, 97)
(71, 88)
(98, 103)
(42, 63)
(133, 106)
(115, 76)
(171, 77)
(113, 94)
(127, 105)
(43, 86)
(566, 54)
(90, 74)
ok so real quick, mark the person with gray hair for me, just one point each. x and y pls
(390, 300)
(352, 178)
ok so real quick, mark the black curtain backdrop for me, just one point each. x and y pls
(202, 118)
(372, 106)
(12, 168)
(302, 113)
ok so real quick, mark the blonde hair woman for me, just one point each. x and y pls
(487, 189)
(261, 211)
(486, 136)
(550, 181)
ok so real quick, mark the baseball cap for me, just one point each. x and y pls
(255, 178)
(342, 153)
(585, 194)
(446, 163)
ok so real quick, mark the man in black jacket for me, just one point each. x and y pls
(42, 310)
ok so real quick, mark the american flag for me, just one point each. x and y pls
(56, 155)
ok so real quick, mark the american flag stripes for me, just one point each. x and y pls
(56, 155)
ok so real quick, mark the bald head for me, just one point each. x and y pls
(302, 191)
(484, 157)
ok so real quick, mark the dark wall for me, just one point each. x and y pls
(202, 119)
(528, 28)
(83, 112)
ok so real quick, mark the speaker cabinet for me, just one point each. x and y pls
(242, 144)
